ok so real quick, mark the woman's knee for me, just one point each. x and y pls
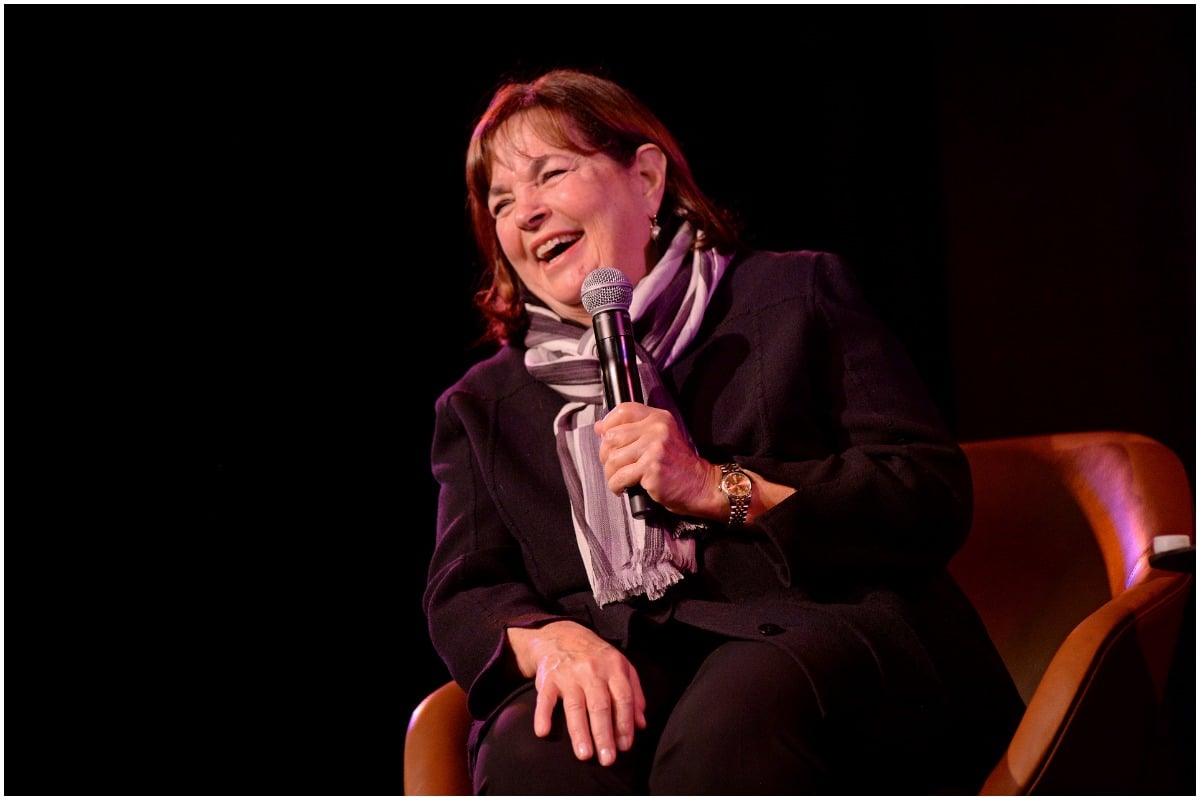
(512, 760)
(751, 723)
(746, 725)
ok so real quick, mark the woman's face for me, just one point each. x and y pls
(559, 214)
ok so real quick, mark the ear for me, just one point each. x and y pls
(651, 165)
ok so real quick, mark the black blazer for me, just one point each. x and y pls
(795, 378)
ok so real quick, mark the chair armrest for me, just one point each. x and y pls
(1099, 686)
(435, 747)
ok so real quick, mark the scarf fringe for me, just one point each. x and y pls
(653, 581)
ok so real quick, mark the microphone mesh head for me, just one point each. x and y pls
(605, 289)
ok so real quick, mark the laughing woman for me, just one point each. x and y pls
(782, 622)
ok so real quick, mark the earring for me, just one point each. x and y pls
(654, 229)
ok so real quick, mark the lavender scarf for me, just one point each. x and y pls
(624, 556)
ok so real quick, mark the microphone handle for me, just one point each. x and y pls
(640, 504)
(618, 366)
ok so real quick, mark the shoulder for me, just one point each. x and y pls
(494, 378)
(786, 275)
(495, 397)
(776, 263)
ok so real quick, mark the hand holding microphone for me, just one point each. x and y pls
(607, 295)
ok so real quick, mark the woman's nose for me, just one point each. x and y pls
(530, 211)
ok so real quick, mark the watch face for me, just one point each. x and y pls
(735, 484)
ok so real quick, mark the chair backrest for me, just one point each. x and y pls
(1058, 565)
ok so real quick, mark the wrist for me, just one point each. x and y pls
(738, 490)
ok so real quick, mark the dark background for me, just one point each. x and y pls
(272, 206)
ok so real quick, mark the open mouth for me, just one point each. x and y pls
(554, 248)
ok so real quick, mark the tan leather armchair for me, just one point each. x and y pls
(1059, 565)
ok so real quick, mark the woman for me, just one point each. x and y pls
(800, 637)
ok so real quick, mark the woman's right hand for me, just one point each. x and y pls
(599, 689)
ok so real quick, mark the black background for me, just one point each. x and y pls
(252, 224)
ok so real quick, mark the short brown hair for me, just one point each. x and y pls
(589, 114)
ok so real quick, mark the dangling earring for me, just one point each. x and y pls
(654, 229)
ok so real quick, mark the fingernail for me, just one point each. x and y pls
(581, 750)
(606, 756)
(625, 742)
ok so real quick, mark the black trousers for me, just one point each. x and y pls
(725, 717)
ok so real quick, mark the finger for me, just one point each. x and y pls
(612, 440)
(600, 712)
(639, 700)
(617, 456)
(624, 713)
(576, 712)
(543, 710)
(620, 413)
(628, 411)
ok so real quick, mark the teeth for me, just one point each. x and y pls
(545, 249)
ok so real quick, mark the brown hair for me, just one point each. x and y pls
(589, 114)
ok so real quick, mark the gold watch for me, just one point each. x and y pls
(737, 489)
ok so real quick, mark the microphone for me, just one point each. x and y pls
(607, 295)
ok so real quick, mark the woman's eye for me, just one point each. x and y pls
(551, 173)
(500, 207)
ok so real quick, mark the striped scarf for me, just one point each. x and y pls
(624, 556)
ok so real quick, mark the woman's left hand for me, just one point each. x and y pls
(642, 444)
